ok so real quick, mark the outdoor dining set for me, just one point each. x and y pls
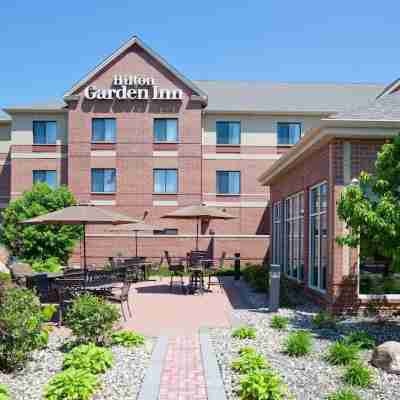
(113, 282)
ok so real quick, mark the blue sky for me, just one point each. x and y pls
(48, 45)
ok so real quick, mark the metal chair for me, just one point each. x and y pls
(175, 270)
(121, 297)
(40, 284)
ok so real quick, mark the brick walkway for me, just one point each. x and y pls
(183, 377)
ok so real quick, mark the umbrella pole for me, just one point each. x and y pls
(136, 244)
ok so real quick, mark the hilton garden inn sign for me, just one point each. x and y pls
(133, 87)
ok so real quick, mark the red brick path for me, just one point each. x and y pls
(183, 377)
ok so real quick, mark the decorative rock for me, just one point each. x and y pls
(387, 357)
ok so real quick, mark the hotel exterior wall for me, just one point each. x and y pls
(337, 163)
(5, 163)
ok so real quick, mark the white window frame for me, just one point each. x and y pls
(293, 219)
(277, 234)
(310, 215)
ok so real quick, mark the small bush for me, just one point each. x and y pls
(344, 394)
(90, 357)
(127, 339)
(21, 326)
(4, 394)
(357, 374)
(249, 362)
(77, 384)
(279, 322)
(257, 276)
(298, 344)
(262, 385)
(362, 339)
(341, 353)
(324, 320)
(246, 350)
(91, 319)
(244, 332)
(52, 264)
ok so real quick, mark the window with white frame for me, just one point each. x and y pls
(318, 226)
(294, 237)
(277, 233)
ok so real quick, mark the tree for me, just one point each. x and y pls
(39, 242)
(371, 209)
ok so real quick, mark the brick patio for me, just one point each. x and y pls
(158, 311)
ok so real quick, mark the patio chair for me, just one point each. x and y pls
(66, 289)
(121, 297)
(211, 271)
(40, 284)
(175, 270)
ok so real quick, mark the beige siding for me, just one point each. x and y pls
(257, 130)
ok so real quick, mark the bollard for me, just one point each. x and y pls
(274, 287)
(237, 266)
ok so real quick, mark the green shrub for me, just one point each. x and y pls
(52, 264)
(341, 353)
(362, 339)
(127, 339)
(257, 276)
(344, 394)
(249, 362)
(21, 325)
(90, 357)
(39, 242)
(244, 332)
(76, 384)
(357, 374)
(324, 320)
(262, 385)
(279, 322)
(298, 344)
(5, 277)
(247, 350)
(4, 394)
(91, 319)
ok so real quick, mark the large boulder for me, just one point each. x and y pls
(387, 357)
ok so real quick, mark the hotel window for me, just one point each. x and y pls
(165, 180)
(228, 182)
(277, 233)
(228, 132)
(103, 180)
(49, 177)
(288, 133)
(318, 260)
(294, 237)
(166, 130)
(167, 231)
(104, 130)
(44, 132)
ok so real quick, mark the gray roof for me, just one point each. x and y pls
(51, 105)
(263, 96)
(4, 116)
(386, 108)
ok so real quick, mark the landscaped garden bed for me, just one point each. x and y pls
(310, 371)
(121, 381)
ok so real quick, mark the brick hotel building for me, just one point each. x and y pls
(137, 136)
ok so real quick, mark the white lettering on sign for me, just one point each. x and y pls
(132, 87)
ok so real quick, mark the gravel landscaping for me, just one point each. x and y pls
(309, 377)
(120, 382)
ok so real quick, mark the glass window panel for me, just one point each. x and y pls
(228, 182)
(166, 130)
(103, 180)
(103, 130)
(165, 181)
(49, 177)
(228, 132)
(44, 132)
(288, 132)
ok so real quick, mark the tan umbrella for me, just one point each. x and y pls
(199, 213)
(136, 227)
(82, 214)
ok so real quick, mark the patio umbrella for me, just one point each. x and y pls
(82, 214)
(136, 227)
(199, 213)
